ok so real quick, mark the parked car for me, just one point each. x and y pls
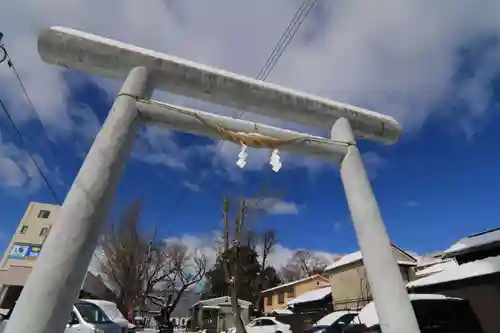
(85, 318)
(333, 322)
(435, 314)
(111, 310)
(267, 325)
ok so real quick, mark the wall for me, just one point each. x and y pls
(298, 289)
(350, 288)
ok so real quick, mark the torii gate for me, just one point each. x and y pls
(54, 283)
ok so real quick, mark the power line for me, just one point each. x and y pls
(11, 65)
(285, 39)
(283, 43)
(33, 159)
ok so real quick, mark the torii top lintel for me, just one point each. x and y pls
(102, 56)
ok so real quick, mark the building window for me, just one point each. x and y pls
(281, 298)
(44, 231)
(43, 214)
(270, 300)
(290, 293)
(24, 229)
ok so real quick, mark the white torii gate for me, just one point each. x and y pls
(54, 283)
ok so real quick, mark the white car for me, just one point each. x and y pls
(111, 310)
(267, 325)
(85, 318)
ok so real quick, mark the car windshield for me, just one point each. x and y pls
(91, 313)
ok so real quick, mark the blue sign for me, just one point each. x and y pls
(25, 251)
(19, 251)
(33, 252)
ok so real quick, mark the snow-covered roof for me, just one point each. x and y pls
(468, 270)
(311, 296)
(294, 282)
(357, 256)
(436, 268)
(368, 315)
(474, 241)
(346, 260)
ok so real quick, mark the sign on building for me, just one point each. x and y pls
(25, 251)
(19, 251)
(33, 252)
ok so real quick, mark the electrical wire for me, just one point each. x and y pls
(285, 39)
(10, 63)
(276, 54)
(33, 159)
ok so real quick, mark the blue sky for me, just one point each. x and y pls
(440, 182)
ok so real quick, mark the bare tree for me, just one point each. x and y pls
(303, 264)
(183, 269)
(132, 261)
(267, 241)
(143, 269)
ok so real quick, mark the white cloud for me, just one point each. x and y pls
(396, 57)
(17, 169)
(207, 244)
(281, 254)
(191, 186)
(274, 206)
(337, 225)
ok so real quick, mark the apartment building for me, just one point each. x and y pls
(277, 298)
(25, 247)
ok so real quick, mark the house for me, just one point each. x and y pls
(278, 297)
(216, 314)
(348, 281)
(474, 276)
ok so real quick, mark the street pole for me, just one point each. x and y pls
(53, 286)
(393, 305)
